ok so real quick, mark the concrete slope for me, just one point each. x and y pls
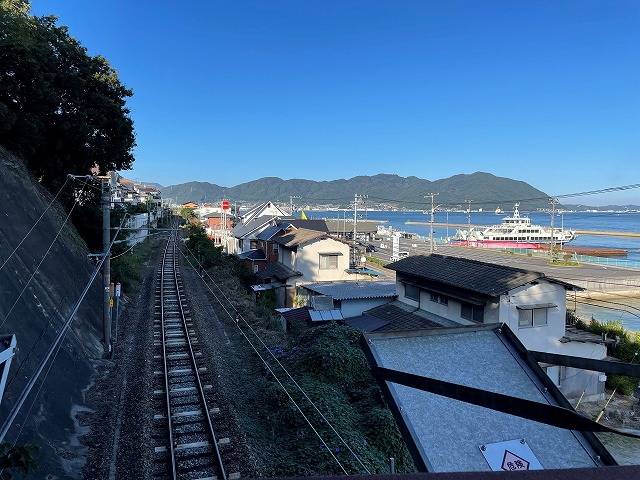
(49, 417)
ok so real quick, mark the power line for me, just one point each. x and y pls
(277, 361)
(34, 225)
(25, 392)
(41, 261)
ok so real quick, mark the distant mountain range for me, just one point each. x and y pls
(485, 191)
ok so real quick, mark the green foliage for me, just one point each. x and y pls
(201, 247)
(627, 348)
(332, 370)
(126, 267)
(61, 109)
(266, 303)
(18, 460)
(187, 213)
(623, 384)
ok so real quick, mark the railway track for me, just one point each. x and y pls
(187, 445)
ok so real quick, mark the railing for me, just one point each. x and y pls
(574, 257)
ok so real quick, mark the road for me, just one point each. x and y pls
(593, 277)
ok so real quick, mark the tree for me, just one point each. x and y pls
(61, 109)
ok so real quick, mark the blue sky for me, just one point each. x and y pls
(547, 92)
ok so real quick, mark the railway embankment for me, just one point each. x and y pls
(43, 271)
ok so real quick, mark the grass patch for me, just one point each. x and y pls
(627, 348)
(127, 267)
(329, 365)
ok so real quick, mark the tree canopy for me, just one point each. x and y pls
(63, 110)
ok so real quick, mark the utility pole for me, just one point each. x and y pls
(357, 199)
(291, 197)
(553, 202)
(468, 202)
(106, 266)
(431, 222)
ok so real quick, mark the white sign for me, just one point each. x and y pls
(510, 456)
(395, 248)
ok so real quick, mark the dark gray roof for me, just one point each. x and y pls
(296, 314)
(312, 224)
(243, 229)
(278, 271)
(366, 323)
(337, 226)
(257, 254)
(404, 317)
(298, 237)
(349, 289)
(268, 232)
(472, 275)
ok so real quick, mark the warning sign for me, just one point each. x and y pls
(510, 456)
(511, 462)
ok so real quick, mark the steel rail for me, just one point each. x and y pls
(164, 358)
(205, 406)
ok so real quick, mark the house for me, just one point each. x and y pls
(343, 228)
(307, 256)
(470, 292)
(254, 241)
(191, 205)
(215, 227)
(266, 209)
(351, 297)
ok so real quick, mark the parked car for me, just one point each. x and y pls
(368, 247)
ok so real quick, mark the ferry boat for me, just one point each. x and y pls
(514, 232)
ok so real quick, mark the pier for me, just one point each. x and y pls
(578, 232)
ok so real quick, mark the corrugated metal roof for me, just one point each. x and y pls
(349, 290)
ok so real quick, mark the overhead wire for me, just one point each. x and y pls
(41, 261)
(36, 223)
(54, 346)
(305, 395)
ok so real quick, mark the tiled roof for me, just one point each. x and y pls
(346, 290)
(472, 275)
(278, 271)
(299, 237)
(404, 317)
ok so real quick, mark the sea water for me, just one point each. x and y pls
(623, 309)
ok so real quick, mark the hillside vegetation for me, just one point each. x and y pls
(484, 189)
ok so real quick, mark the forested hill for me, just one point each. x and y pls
(485, 190)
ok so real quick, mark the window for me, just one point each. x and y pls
(328, 261)
(471, 312)
(439, 298)
(274, 247)
(411, 292)
(253, 244)
(532, 318)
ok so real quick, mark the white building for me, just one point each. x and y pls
(532, 305)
